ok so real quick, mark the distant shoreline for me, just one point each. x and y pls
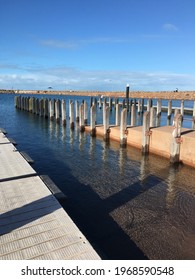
(185, 95)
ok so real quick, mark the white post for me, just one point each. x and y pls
(81, 118)
(123, 128)
(51, 109)
(77, 110)
(85, 112)
(146, 133)
(71, 105)
(176, 140)
(106, 123)
(57, 110)
(133, 115)
(63, 109)
(93, 120)
(117, 122)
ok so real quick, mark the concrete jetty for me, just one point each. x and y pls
(159, 143)
(33, 225)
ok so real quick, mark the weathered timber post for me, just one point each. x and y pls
(104, 107)
(142, 105)
(169, 112)
(19, 102)
(149, 104)
(85, 112)
(16, 101)
(133, 115)
(159, 107)
(22, 103)
(115, 102)
(193, 117)
(176, 139)
(81, 118)
(110, 103)
(100, 103)
(33, 106)
(93, 120)
(71, 106)
(152, 117)
(146, 133)
(95, 101)
(51, 109)
(63, 109)
(123, 128)
(117, 122)
(182, 108)
(176, 111)
(37, 106)
(57, 110)
(158, 113)
(46, 107)
(106, 123)
(41, 107)
(91, 101)
(77, 110)
(30, 104)
(139, 106)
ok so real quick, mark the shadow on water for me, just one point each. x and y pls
(92, 214)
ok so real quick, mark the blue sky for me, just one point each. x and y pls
(97, 45)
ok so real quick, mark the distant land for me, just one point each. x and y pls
(185, 95)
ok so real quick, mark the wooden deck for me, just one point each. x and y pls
(33, 225)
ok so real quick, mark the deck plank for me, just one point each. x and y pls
(33, 225)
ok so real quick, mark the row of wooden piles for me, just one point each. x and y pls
(57, 110)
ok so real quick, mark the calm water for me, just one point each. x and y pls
(127, 205)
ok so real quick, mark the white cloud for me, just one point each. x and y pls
(170, 27)
(58, 44)
(64, 78)
(63, 44)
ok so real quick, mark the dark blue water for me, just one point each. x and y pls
(127, 205)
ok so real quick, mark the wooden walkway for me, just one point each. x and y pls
(33, 225)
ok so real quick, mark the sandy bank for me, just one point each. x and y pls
(186, 95)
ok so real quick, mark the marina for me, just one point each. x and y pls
(127, 204)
